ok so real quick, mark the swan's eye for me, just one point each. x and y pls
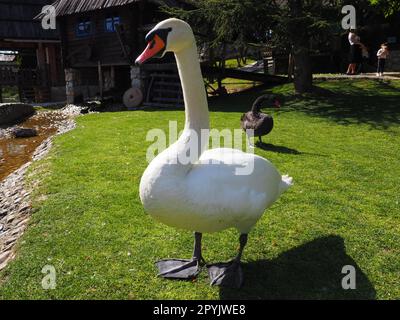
(152, 44)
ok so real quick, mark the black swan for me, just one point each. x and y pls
(261, 123)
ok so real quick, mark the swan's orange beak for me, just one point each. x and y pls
(153, 48)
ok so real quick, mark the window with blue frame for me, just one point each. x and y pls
(111, 22)
(84, 28)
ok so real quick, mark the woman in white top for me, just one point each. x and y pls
(355, 52)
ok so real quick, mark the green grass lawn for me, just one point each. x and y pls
(233, 63)
(340, 146)
(235, 85)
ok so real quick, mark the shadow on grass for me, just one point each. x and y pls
(284, 150)
(380, 112)
(370, 102)
(310, 271)
(278, 149)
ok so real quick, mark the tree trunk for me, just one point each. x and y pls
(301, 52)
(302, 70)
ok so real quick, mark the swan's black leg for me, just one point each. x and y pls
(228, 274)
(249, 136)
(260, 139)
(180, 268)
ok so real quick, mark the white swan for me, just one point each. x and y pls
(201, 196)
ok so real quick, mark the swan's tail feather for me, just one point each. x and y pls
(286, 183)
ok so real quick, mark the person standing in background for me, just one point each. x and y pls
(383, 54)
(355, 52)
(365, 58)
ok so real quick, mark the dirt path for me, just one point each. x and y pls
(386, 76)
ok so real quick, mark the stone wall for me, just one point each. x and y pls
(71, 77)
(75, 90)
(137, 77)
(13, 112)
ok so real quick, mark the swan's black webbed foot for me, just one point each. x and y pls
(226, 274)
(179, 268)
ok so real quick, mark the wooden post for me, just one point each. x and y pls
(222, 66)
(41, 63)
(52, 65)
(140, 24)
(42, 59)
(100, 79)
(40, 55)
(20, 93)
(1, 94)
(64, 42)
(291, 66)
(112, 75)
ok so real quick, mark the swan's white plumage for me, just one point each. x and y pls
(208, 195)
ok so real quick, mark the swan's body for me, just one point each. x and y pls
(210, 197)
(261, 123)
(202, 196)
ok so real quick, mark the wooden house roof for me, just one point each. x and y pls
(17, 20)
(68, 7)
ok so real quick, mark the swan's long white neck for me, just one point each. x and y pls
(194, 139)
(194, 94)
(177, 160)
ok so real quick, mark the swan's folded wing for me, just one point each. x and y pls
(250, 121)
(216, 182)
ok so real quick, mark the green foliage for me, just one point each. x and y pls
(313, 21)
(341, 147)
(294, 25)
(243, 22)
(232, 21)
(389, 7)
(18, 60)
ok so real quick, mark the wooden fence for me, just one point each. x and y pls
(14, 76)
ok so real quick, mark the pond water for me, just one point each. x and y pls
(16, 152)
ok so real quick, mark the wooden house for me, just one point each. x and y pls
(100, 40)
(38, 74)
